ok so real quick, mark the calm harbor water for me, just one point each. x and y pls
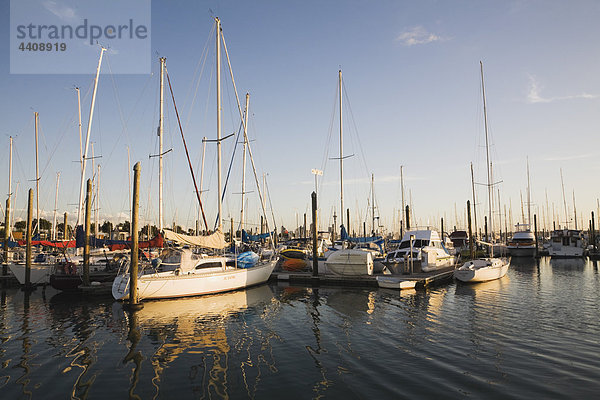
(534, 333)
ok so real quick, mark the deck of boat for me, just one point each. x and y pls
(305, 278)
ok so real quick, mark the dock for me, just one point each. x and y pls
(423, 279)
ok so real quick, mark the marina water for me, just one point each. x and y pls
(534, 333)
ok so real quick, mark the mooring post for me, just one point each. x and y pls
(6, 236)
(231, 233)
(407, 218)
(442, 232)
(348, 220)
(86, 246)
(593, 235)
(535, 232)
(134, 302)
(315, 266)
(28, 285)
(65, 228)
(471, 249)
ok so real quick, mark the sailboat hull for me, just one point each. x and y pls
(482, 270)
(169, 285)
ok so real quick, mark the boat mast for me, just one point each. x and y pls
(373, 200)
(244, 160)
(574, 209)
(37, 176)
(160, 146)
(97, 208)
(129, 187)
(562, 183)
(487, 155)
(87, 139)
(341, 154)
(528, 196)
(219, 187)
(8, 230)
(403, 212)
(55, 207)
(80, 138)
(474, 202)
(204, 140)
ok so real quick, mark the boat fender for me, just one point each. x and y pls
(177, 272)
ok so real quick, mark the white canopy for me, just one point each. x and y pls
(215, 240)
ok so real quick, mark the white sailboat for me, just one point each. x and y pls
(198, 274)
(484, 269)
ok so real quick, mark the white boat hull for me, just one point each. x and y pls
(350, 263)
(169, 285)
(40, 273)
(521, 251)
(482, 270)
(392, 282)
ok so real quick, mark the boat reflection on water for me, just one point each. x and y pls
(484, 290)
(568, 263)
(195, 331)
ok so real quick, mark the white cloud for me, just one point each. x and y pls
(569, 158)
(534, 96)
(61, 11)
(418, 35)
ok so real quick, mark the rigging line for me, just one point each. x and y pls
(186, 150)
(364, 159)
(203, 59)
(229, 169)
(270, 204)
(330, 134)
(260, 195)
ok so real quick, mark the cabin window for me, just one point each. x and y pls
(209, 265)
(230, 263)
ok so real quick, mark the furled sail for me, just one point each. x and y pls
(215, 240)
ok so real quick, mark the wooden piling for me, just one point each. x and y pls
(442, 232)
(407, 218)
(315, 266)
(65, 228)
(86, 246)
(134, 302)
(6, 237)
(471, 249)
(28, 241)
(593, 234)
(304, 229)
(535, 232)
(348, 220)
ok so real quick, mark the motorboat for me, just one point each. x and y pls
(522, 243)
(566, 243)
(423, 248)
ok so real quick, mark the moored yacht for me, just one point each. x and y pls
(566, 243)
(522, 243)
(424, 248)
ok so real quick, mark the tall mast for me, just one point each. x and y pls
(87, 140)
(574, 209)
(55, 207)
(474, 200)
(528, 196)
(97, 208)
(160, 147)
(80, 138)
(562, 183)
(373, 200)
(244, 160)
(37, 176)
(403, 212)
(204, 140)
(219, 187)
(487, 155)
(9, 185)
(341, 153)
(129, 187)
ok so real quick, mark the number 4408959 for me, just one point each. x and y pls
(44, 46)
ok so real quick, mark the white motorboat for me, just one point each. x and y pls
(350, 262)
(566, 243)
(482, 270)
(522, 244)
(428, 253)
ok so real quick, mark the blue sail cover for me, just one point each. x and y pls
(254, 238)
(94, 241)
(378, 240)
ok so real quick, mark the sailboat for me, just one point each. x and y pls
(347, 262)
(489, 268)
(198, 273)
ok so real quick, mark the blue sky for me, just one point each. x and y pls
(412, 81)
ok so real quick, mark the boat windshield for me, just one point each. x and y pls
(416, 243)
